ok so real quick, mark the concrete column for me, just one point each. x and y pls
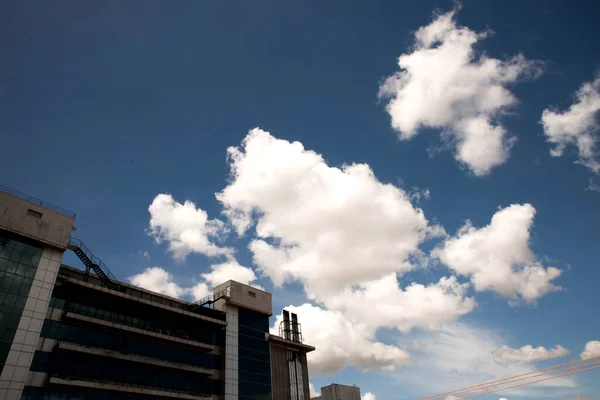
(231, 353)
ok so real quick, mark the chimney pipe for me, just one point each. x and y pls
(295, 330)
(286, 325)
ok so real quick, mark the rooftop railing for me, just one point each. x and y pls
(37, 201)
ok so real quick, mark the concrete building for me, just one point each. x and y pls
(339, 392)
(69, 333)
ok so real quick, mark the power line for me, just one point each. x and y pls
(544, 372)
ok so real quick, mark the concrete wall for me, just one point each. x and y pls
(51, 228)
(340, 392)
(245, 296)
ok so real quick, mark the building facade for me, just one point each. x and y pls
(71, 334)
(336, 391)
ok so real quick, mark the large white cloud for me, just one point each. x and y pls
(528, 353)
(577, 126)
(368, 396)
(497, 256)
(161, 281)
(325, 226)
(185, 228)
(426, 306)
(341, 341)
(592, 349)
(444, 84)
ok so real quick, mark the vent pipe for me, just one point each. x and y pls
(295, 329)
(286, 324)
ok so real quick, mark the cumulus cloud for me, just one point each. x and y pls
(444, 84)
(460, 355)
(368, 396)
(528, 353)
(185, 228)
(592, 349)
(313, 391)
(341, 341)
(576, 126)
(427, 306)
(497, 256)
(159, 280)
(324, 226)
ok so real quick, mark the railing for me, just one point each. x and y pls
(78, 243)
(37, 201)
(211, 298)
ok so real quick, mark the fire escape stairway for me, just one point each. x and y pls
(93, 263)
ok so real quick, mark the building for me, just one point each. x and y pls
(339, 392)
(75, 334)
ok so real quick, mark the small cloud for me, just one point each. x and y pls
(313, 391)
(592, 349)
(593, 187)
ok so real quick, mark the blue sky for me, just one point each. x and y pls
(106, 105)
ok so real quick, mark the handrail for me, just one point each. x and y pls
(93, 258)
(211, 298)
(37, 201)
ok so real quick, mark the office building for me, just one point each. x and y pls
(74, 334)
(336, 391)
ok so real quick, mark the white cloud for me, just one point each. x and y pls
(160, 281)
(444, 84)
(157, 280)
(528, 353)
(185, 228)
(577, 126)
(341, 342)
(418, 305)
(594, 187)
(592, 349)
(229, 270)
(368, 396)
(313, 391)
(460, 355)
(326, 227)
(503, 398)
(497, 257)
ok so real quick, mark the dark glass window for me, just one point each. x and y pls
(18, 263)
(73, 365)
(88, 337)
(254, 359)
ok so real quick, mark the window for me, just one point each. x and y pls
(34, 213)
(251, 294)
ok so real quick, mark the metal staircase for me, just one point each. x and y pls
(93, 263)
(210, 299)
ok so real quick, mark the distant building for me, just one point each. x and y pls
(72, 334)
(339, 392)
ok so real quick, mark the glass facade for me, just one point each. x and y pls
(163, 327)
(41, 393)
(83, 366)
(18, 265)
(62, 331)
(254, 359)
(296, 378)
